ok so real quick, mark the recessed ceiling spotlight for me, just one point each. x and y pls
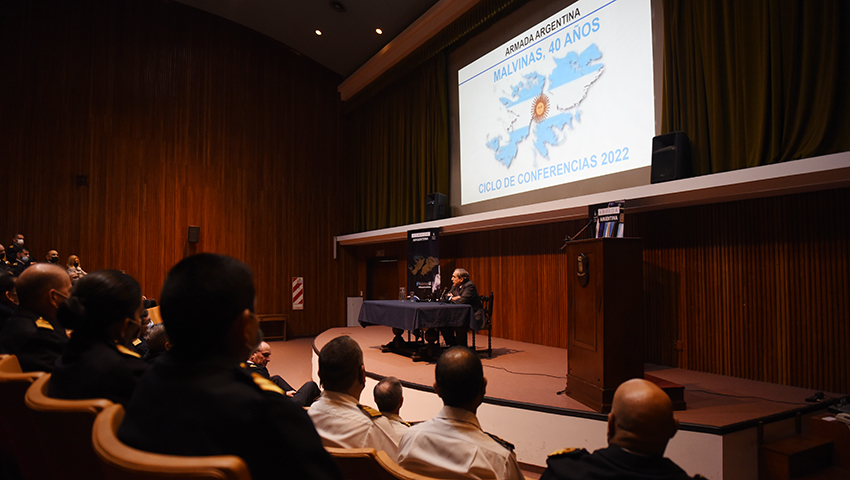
(379, 31)
(318, 32)
(337, 6)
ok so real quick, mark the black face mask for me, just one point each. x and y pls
(3, 256)
(76, 264)
(54, 260)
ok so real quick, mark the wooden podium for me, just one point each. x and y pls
(606, 318)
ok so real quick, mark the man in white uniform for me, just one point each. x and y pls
(338, 416)
(452, 444)
(389, 397)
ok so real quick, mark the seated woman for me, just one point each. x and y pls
(104, 313)
(73, 268)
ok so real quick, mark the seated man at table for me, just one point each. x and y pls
(338, 415)
(463, 291)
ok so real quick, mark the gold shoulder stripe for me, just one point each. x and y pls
(370, 411)
(136, 342)
(502, 442)
(563, 451)
(42, 323)
(127, 351)
(266, 384)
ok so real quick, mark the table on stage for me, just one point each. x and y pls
(410, 316)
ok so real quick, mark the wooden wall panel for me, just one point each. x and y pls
(177, 118)
(757, 289)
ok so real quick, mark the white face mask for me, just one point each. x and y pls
(19, 241)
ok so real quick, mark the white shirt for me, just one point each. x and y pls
(453, 446)
(399, 425)
(341, 422)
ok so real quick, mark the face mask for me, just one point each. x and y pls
(25, 259)
(3, 256)
(76, 264)
(19, 241)
(54, 260)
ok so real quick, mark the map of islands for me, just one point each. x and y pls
(543, 105)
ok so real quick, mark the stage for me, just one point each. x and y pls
(717, 435)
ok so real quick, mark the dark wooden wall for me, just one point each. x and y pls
(757, 289)
(175, 117)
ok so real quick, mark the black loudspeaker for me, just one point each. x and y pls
(671, 157)
(436, 206)
(194, 234)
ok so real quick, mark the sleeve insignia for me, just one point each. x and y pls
(502, 442)
(42, 323)
(126, 351)
(136, 342)
(564, 451)
(370, 411)
(266, 384)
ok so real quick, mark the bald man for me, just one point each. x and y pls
(640, 424)
(32, 332)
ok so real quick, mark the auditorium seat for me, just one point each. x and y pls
(368, 464)
(64, 429)
(122, 462)
(487, 304)
(18, 438)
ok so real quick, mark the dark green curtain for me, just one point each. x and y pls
(400, 145)
(755, 82)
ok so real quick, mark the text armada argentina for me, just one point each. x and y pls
(542, 32)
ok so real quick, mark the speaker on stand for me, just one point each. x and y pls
(436, 207)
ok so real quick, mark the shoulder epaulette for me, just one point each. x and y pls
(502, 442)
(266, 384)
(126, 351)
(136, 342)
(42, 323)
(565, 452)
(370, 411)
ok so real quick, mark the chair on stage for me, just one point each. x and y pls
(64, 429)
(18, 438)
(119, 461)
(368, 464)
(487, 324)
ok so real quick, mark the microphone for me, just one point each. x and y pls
(568, 238)
(443, 294)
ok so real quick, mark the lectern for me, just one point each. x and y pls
(606, 318)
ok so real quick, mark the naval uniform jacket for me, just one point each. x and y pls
(96, 368)
(611, 463)
(214, 406)
(37, 341)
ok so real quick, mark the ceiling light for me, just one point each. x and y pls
(318, 32)
(379, 31)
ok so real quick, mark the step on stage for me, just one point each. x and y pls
(717, 432)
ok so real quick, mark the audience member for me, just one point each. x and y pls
(139, 344)
(5, 265)
(640, 424)
(338, 415)
(463, 291)
(158, 343)
(104, 313)
(52, 257)
(22, 262)
(32, 332)
(8, 297)
(16, 246)
(389, 397)
(73, 268)
(259, 361)
(452, 444)
(196, 399)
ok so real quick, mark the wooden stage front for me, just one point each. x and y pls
(525, 404)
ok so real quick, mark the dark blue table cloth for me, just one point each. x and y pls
(414, 315)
